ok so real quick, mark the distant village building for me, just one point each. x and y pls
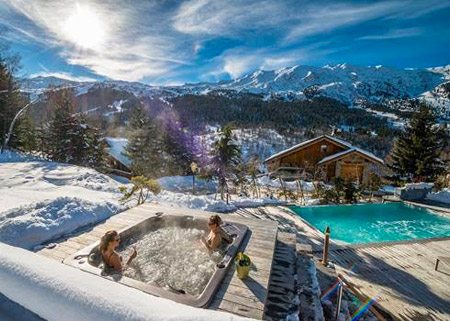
(117, 161)
(325, 157)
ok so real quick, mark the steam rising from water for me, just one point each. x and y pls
(173, 256)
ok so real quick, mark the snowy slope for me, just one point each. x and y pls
(346, 83)
(41, 200)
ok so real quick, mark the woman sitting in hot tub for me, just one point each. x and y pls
(111, 260)
(217, 236)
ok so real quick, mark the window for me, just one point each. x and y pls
(323, 148)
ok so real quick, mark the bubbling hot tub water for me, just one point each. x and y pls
(172, 257)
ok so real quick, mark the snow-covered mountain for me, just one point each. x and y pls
(346, 83)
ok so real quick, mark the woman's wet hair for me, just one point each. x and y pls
(215, 219)
(106, 239)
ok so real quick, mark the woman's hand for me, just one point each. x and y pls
(134, 254)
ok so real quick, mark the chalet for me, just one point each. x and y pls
(326, 157)
(117, 161)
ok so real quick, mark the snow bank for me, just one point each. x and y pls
(184, 184)
(388, 189)
(442, 196)
(312, 202)
(36, 223)
(418, 186)
(9, 156)
(208, 203)
(41, 200)
(58, 292)
(266, 181)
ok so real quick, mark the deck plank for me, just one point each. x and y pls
(402, 274)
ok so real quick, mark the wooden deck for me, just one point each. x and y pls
(242, 297)
(401, 274)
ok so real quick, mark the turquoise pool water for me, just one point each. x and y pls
(376, 222)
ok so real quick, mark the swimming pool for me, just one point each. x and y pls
(367, 223)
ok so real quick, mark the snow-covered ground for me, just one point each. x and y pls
(208, 203)
(41, 200)
(418, 186)
(42, 286)
(442, 196)
(184, 184)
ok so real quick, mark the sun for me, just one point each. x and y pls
(84, 28)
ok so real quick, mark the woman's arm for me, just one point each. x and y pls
(132, 256)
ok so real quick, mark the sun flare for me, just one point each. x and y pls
(84, 28)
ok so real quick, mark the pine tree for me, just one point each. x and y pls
(63, 128)
(24, 134)
(11, 102)
(96, 156)
(416, 150)
(226, 157)
(67, 137)
(145, 149)
(180, 147)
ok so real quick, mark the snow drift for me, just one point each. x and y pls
(42, 200)
(442, 196)
(36, 223)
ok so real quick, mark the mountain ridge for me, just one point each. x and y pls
(352, 85)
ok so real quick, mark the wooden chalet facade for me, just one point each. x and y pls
(325, 157)
(117, 161)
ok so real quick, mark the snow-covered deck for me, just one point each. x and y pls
(243, 297)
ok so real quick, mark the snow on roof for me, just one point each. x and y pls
(286, 151)
(55, 291)
(349, 151)
(116, 148)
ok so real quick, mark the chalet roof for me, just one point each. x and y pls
(117, 148)
(349, 151)
(308, 142)
(343, 143)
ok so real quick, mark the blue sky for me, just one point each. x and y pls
(173, 42)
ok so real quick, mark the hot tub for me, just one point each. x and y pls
(171, 262)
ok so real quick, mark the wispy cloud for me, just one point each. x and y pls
(230, 18)
(135, 44)
(237, 62)
(394, 34)
(161, 40)
(62, 75)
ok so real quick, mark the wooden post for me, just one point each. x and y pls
(339, 300)
(326, 246)
(362, 297)
(437, 264)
